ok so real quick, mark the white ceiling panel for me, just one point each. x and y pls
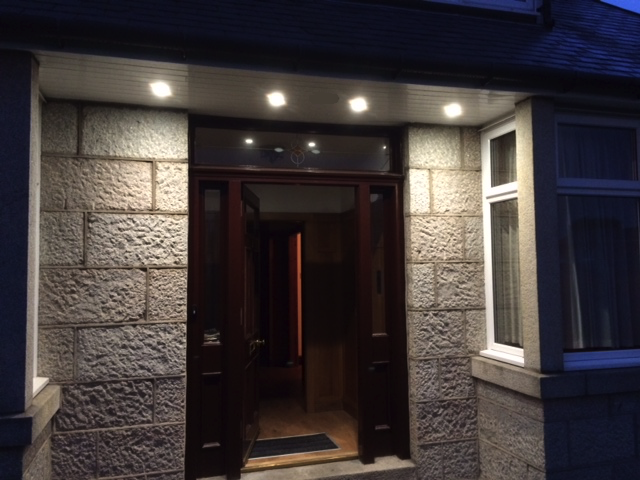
(242, 93)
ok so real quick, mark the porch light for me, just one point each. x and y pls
(160, 89)
(453, 110)
(358, 104)
(276, 99)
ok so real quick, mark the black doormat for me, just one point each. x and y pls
(277, 447)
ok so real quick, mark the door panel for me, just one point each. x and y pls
(250, 319)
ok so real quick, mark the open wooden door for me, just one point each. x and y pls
(250, 319)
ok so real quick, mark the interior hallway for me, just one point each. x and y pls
(282, 415)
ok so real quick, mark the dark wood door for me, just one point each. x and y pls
(383, 427)
(250, 319)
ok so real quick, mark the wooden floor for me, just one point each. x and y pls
(284, 416)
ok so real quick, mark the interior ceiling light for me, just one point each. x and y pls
(358, 104)
(312, 144)
(276, 99)
(453, 110)
(160, 89)
(248, 141)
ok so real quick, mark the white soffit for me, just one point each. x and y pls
(242, 93)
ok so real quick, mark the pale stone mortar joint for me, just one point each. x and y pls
(111, 324)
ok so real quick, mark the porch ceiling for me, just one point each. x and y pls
(242, 93)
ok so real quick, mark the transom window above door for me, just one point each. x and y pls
(308, 149)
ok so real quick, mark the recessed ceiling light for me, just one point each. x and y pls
(160, 89)
(358, 104)
(453, 110)
(276, 99)
(312, 144)
(248, 141)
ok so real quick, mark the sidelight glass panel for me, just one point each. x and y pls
(213, 306)
(506, 273)
(378, 263)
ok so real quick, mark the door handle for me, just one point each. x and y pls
(258, 343)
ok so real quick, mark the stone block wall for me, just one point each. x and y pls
(566, 425)
(445, 297)
(113, 286)
(586, 437)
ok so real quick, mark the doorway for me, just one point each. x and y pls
(308, 362)
(296, 301)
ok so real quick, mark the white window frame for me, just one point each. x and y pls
(491, 195)
(595, 187)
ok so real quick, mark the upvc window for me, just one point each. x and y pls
(599, 241)
(502, 263)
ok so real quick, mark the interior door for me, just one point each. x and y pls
(250, 321)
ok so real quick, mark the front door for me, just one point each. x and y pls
(250, 321)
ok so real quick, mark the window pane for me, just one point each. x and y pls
(377, 263)
(213, 267)
(506, 273)
(503, 159)
(600, 267)
(290, 150)
(597, 152)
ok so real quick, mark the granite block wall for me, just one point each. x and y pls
(585, 437)
(445, 297)
(113, 286)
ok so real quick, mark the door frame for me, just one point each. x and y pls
(381, 358)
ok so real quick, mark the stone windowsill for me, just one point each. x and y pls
(22, 429)
(556, 385)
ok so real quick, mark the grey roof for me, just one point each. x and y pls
(591, 46)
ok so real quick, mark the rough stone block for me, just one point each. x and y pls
(456, 192)
(40, 467)
(170, 399)
(476, 323)
(59, 128)
(137, 240)
(179, 475)
(168, 294)
(172, 181)
(436, 334)
(434, 146)
(435, 238)
(600, 440)
(134, 133)
(103, 405)
(461, 460)
(456, 378)
(55, 353)
(424, 383)
(93, 184)
(417, 199)
(73, 456)
(61, 238)
(447, 420)
(576, 408)
(471, 148)
(91, 296)
(522, 436)
(497, 464)
(131, 351)
(460, 285)
(473, 239)
(138, 450)
(516, 402)
(421, 285)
